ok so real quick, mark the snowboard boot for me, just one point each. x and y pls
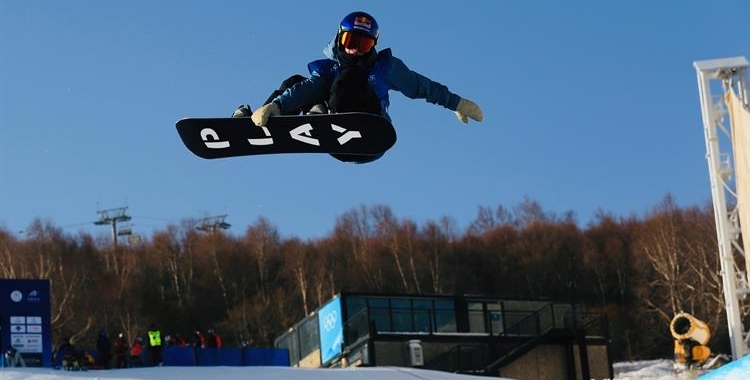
(242, 111)
(318, 109)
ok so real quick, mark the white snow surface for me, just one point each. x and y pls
(640, 370)
(233, 373)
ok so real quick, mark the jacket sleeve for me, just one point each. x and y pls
(310, 91)
(417, 86)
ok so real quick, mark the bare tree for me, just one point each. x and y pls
(262, 238)
(298, 265)
(437, 236)
(410, 238)
(387, 231)
(487, 220)
(679, 246)
(172, 254)
(8, 260)
(660, 244)
(354, 231)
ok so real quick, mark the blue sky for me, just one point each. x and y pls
(588, 105)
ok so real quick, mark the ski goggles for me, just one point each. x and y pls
(361, 42)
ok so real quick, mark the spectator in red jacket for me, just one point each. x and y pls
(135, 353)
(214, 339)
(199, 341)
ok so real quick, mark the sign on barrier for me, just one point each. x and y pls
(331, 330)
(25, 319)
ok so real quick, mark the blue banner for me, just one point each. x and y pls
(331, 330)
(25, 320)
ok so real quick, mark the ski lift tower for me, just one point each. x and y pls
(723, 76)
(111, 217)
(213, 224)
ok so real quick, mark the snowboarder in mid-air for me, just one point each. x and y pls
(356, 78)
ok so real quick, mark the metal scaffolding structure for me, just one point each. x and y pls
(722, 75)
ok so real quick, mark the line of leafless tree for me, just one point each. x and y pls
(640, 270)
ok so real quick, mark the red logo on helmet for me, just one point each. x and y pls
(362, 22)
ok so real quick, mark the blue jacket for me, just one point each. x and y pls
(388, 73)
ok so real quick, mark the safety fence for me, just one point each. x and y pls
(189, 356)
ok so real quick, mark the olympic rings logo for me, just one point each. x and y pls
(329, 321)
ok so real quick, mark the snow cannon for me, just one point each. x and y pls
(690, 338)
(685, 326)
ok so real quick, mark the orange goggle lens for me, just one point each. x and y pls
(360, 42)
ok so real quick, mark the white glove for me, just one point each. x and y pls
(261, 115)
(467, 109)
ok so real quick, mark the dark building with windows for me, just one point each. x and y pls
(479, 335)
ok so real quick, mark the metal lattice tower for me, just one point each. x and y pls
(729, 74)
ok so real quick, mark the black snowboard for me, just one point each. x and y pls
(355, 134)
